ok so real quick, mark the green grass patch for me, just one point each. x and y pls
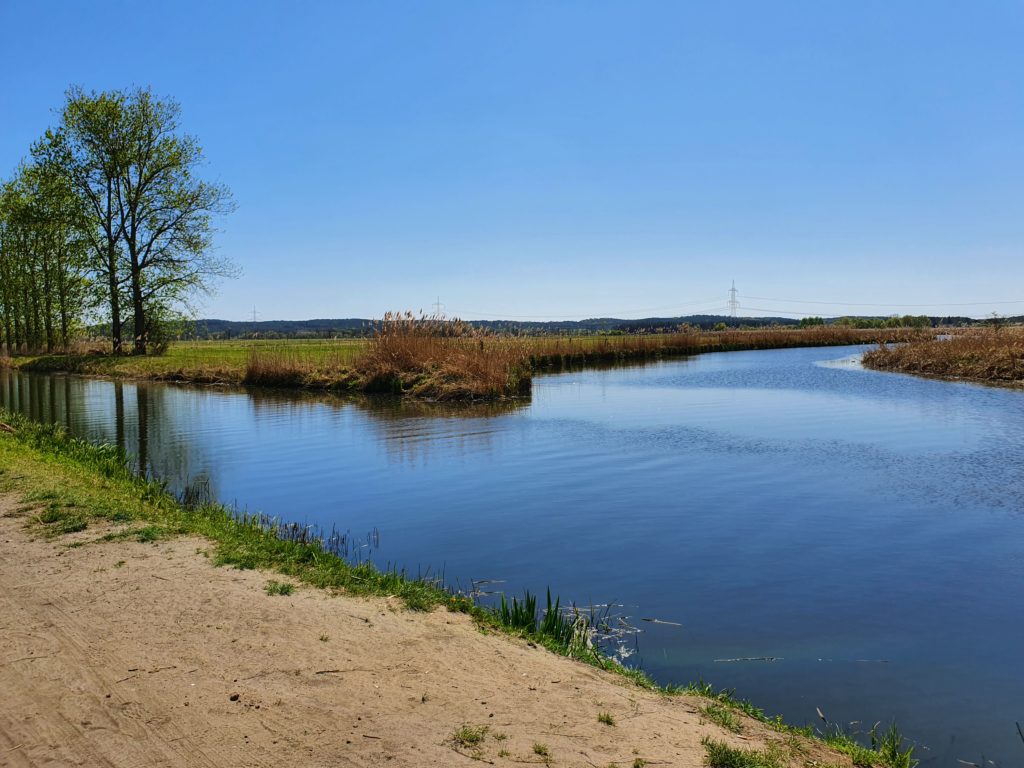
(718, 754)
(722, 715)
(470, 736)
(283, 588)
(605, 718)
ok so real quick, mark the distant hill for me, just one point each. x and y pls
(355, 326)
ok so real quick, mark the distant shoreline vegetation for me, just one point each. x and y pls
(433, 357)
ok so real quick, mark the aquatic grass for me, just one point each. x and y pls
(886, 748)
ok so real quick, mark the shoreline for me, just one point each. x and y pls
(71, 516)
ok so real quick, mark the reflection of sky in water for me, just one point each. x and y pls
(774, 503)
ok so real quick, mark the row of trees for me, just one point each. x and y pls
(108, 221)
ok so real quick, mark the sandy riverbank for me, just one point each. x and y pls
(145, 654)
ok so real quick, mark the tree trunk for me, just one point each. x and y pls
(138, 306)
(115, 302)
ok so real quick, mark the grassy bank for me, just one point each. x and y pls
(432, 358)
(983, 355)
(69, 486)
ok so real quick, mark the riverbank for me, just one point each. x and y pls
(115, 597)
(419, 360)
(986, 356)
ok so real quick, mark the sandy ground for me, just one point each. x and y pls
(129, 654)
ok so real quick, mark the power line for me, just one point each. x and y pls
(691, 304)
(883, 306)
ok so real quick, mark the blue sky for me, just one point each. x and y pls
(575, 159)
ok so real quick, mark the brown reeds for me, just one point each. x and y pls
(980, 354)
(432, 356)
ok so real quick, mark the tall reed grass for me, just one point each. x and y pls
(431, 356)
(992, 355)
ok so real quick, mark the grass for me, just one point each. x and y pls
(470, 736)
(430, 357)
(606, 718)
(541, 749)
(718, 754)
(283, 588)
(887, 748)
(69, 484)
(722, 715)
(994, 355)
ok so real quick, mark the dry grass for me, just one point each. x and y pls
(430, 356)
(992, 355)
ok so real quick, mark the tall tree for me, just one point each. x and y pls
(89, 147)
(164, 212)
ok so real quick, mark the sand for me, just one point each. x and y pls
(137, 654)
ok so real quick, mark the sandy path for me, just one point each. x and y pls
(131, 654)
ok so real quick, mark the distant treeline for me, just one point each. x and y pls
(356, 327)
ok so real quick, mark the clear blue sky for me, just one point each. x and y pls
(575, 159)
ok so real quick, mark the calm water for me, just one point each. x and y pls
(867, 529)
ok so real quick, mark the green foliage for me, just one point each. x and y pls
(606, 718)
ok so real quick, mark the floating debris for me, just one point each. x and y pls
(749, 658)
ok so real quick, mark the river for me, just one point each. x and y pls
(864, 530)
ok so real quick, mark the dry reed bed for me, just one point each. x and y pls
(434, 357)
(977, 354)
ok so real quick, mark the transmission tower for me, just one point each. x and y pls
(733, 302)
